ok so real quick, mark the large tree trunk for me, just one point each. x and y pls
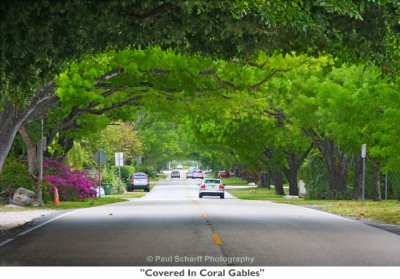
(336, 163)
(236, 170)
(264, 180)
(376, 182)
(357, 193)
(294, 162)
(33, 162)
(31, 151)
(291, 176)
(9, 124)
(12, 117)
(278, 182)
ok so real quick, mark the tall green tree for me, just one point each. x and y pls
(40, 39)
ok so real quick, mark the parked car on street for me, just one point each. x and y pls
(189, 174)
(212, 187)
(139, 180)
(197, 174)
(175, 174)
(223, 174)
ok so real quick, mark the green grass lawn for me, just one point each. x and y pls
(82, 204)
(234, 181)
(96, 202)
(384, 211)
(85, 203)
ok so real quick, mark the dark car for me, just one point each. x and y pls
(139, 180)
(189, 174)
(175, 174)
(223, 174)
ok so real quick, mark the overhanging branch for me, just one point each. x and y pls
(166, 7)
(214, 75)
(272, 73)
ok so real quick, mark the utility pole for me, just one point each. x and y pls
(363, 155)
(39, 151)
(386, 186)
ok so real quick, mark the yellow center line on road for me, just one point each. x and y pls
(217, 239)
(215, 236)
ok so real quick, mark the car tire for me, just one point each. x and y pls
(222, 196)
(200, 196)
(147, 189)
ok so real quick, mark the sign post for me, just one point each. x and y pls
(363, 155)
(41, 147)
(386, 186)
(119, 161)
(100, 159)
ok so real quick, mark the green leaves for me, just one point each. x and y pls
(266, 102)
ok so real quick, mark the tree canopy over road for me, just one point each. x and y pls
(271, 83)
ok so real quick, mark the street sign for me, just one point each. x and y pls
(100, 157)
(119, 159)
(364, 151)
(363, 155)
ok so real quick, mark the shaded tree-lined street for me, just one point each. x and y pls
(276, 93)
(171, 221)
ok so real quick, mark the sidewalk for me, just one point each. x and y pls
(14, 218)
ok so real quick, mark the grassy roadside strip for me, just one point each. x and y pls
(234, 181)
(81, 204)
(97, 202)
(159, 177)
(385, 211)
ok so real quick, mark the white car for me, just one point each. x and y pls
(212, 187)
(139, 180)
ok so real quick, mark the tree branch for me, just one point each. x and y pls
(305, 154)
(279, 115)
(271, 74)
(212, 73)
(166, 7)
(108, 76)
(44, 96)
(129, 101)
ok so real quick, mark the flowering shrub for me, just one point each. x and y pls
(71, 184)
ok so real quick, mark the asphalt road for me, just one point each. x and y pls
(172, 226)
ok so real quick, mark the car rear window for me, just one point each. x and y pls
(217, 181)
(140, 177)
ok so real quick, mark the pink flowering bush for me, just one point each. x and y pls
(71, 184)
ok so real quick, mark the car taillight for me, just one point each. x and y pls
(148, 179)
(221, 186)
(203, 186)
(133, 179)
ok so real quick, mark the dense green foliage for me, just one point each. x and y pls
(15, 175)
(233, 84)
(57, 32)
(280, 105)
(126, 172)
